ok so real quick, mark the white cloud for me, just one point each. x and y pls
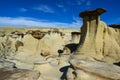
(44, 8)
(23, 9)
(31, 22)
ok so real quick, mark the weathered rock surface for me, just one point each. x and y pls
(18, 74)
(38, 34)
(98, 40)
(54, 68)
(6, 64)
(42, 47)
(75, 37)
(30, 45)
(22, 65)
(9, 71)
(86, 69)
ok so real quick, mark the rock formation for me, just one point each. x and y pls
(18, 74)
(90, 69)
(8, 71)
(98, 40)
(6, 64)
(23, 43)
(38, 34)
(37, 45)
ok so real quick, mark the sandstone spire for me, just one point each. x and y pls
(92, 33)
(97, 39)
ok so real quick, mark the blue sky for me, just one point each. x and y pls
(54, 13)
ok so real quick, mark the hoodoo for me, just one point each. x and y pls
(90, 30)
(97, 40)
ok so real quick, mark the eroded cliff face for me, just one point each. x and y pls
(111, 45)
(98, 40)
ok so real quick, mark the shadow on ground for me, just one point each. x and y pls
(64, 70)
(117, 64)
(72, 47)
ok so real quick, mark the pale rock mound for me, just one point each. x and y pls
(54, 68)
(6, 64)
(90, 69)
(8, 71)
(18, 74)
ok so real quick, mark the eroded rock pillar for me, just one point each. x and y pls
(91, 31)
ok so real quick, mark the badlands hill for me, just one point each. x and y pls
(62, 54)
(22, 42)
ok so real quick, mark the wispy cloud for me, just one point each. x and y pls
(80, 2)
(23, 21)
(44, 8)
(60, 6)
(23, 9)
